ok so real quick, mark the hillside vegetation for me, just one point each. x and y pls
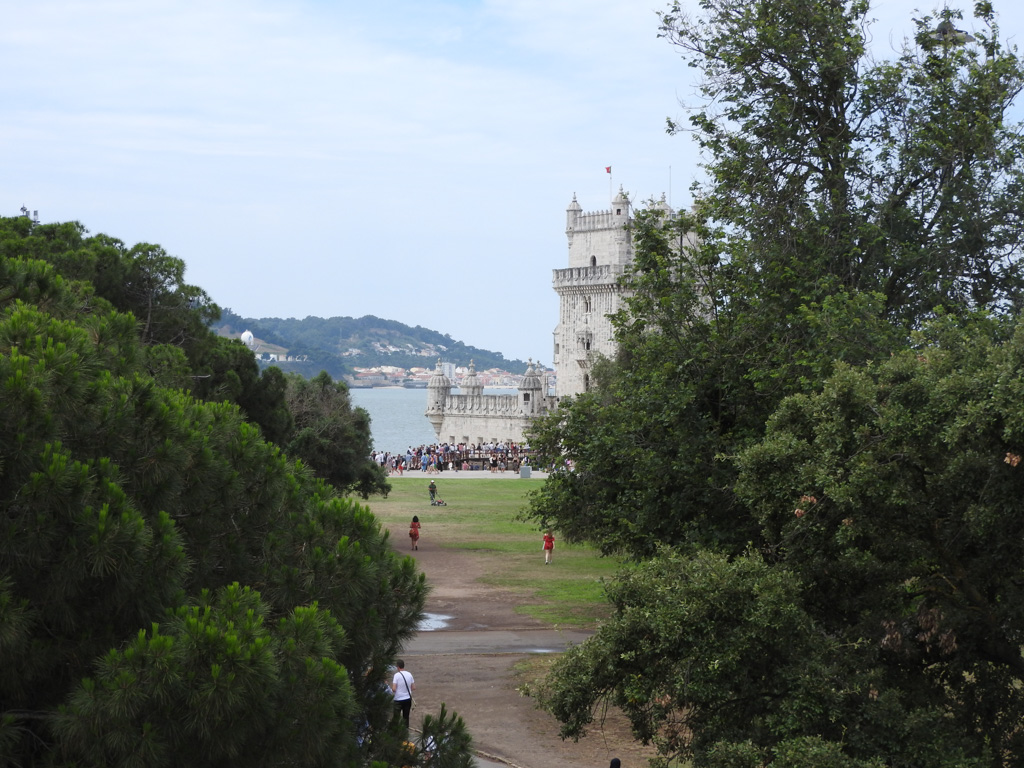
(340, 344)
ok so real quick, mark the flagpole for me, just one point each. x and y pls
(609, 169)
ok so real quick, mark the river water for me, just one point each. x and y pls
(397, 418)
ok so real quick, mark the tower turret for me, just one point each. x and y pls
(531, 391)
(620, 206)
(438, 389)
(572, 213)
(663, 208)
(572, 218)
(470, 384)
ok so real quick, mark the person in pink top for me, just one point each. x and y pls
(549, 547)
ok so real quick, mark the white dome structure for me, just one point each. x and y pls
(247, 338)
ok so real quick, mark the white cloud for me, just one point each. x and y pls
(411, 160)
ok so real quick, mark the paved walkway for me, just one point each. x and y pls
(474, 650)
(450, 662)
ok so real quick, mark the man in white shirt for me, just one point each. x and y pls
(402, 686)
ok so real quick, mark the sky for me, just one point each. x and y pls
(411, 160)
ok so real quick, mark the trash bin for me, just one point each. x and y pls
(524, 472)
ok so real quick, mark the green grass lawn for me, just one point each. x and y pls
(481, 518)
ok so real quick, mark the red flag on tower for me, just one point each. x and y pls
(608, 169)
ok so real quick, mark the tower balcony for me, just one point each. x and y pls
(582, 277)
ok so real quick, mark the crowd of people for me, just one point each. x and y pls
(443, 457)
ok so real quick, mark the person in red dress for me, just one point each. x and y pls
(549, 547)
(414, 533)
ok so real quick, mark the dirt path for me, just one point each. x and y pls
(471, 666)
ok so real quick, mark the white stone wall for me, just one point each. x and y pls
(484, 405)
(588, 291)
(487, 418)
(469, 427)
(601, 247)
(584, 330)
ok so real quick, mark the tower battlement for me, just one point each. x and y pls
(600, 238)
(598, 220)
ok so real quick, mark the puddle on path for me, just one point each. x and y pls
(433, 621)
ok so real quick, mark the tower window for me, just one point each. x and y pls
(593, 261)
(587, 306)
(526, 397)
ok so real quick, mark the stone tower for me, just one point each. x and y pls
(600, 248)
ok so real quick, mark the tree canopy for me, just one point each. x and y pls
(331, 435)
(808, 441)
(180, 351)
(174, 588)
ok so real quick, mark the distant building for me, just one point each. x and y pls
(600, 250)
(473, 417)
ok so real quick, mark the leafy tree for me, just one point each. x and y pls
(880, 615)
(144, 279)
(181, 351)
(173, 589)
(331, 436)
(215, 685)
(149, 283)
(829, 171)
(850, 205)
(828, 231)
(228, 372)
(696, 376)
(444, 741)
(907, 528)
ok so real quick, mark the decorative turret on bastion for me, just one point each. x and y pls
(438, 389)
(531, 392)
(470, 384)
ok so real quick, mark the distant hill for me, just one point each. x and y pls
(340, 344)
